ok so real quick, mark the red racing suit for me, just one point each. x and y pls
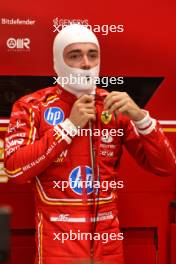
(76, 217)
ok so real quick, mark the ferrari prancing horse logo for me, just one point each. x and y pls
(106, 117)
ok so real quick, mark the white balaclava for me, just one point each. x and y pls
(74, 33)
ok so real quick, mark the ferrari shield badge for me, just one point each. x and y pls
(106, 117)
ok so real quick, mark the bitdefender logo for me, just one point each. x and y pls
(18, 44)
(17, 21)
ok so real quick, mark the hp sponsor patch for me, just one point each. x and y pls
(76, 181)
(54, 115)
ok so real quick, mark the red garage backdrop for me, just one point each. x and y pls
(144, 48)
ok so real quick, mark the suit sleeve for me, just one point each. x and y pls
(26, 154)
(147, 143)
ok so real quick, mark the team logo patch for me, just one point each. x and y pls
(106, 117)
(106, 139)
(54, 115)
(77, 181)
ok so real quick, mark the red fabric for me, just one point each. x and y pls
(173, 243)
(33, 149)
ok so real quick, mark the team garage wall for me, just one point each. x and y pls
(145, 48)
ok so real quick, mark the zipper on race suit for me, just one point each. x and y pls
(84, 190)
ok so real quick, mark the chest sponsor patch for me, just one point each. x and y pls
(106, 139)
(79, 178)
(54, 115)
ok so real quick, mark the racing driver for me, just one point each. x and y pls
(44, 147)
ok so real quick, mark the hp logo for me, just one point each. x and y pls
(54, 115)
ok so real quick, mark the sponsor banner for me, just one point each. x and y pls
(17, 21)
